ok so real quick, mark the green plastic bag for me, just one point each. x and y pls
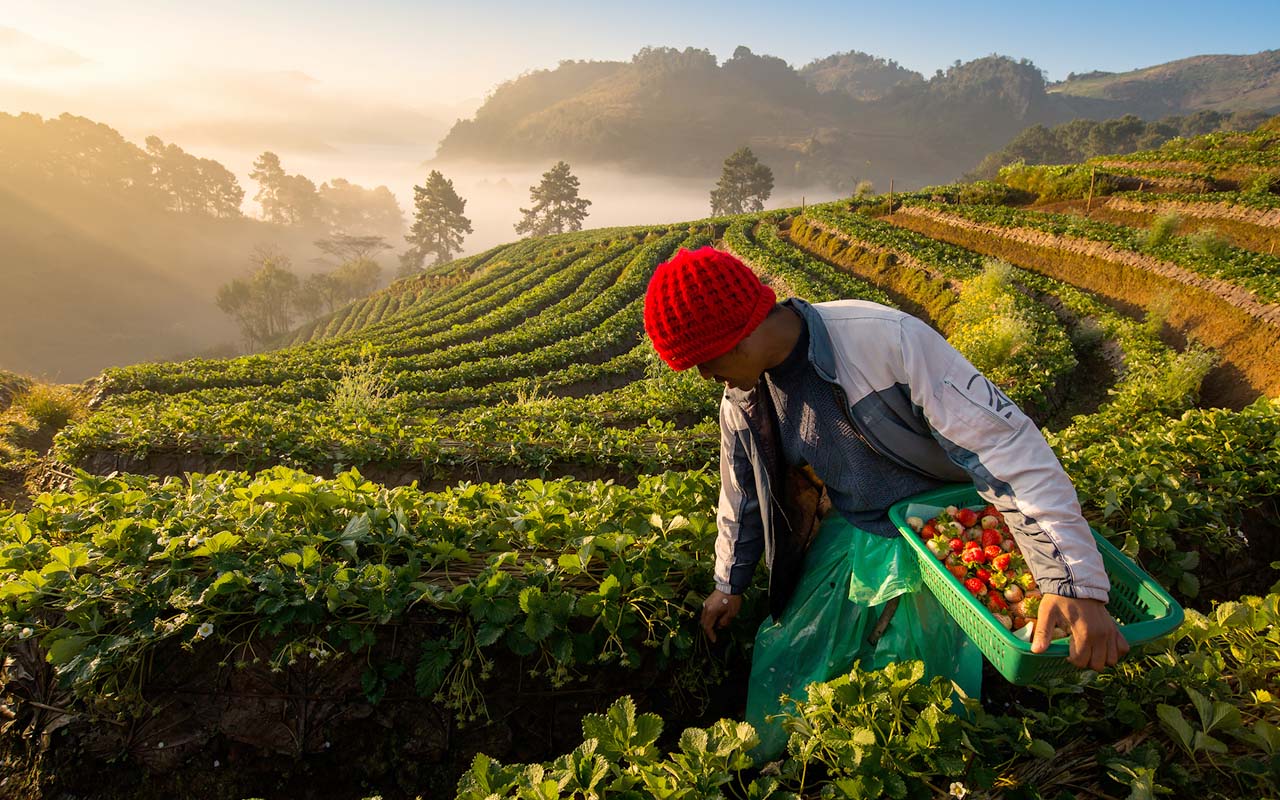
(849, 575)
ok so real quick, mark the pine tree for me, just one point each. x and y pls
(271, 178)
(556, 205)
(438, 223)
(744, 185)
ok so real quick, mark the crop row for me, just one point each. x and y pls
(1221, 150)
(1194, 716)
(646, 426)
(1258, 273)
(324, 357)
(571, 575)
(757, 242)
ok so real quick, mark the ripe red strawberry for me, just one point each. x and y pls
(956, 545)
(957, 570)
(973, 556)
(984, 576)
(928, 531)
(1001, 562)
(992, 550)
(990, 537)
(975, 587)
(966, 517)
(996, 603)
(971, 546)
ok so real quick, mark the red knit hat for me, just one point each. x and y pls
(700, 304)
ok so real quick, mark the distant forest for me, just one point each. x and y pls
(834, 122)
(1083, 139)
(114, 253)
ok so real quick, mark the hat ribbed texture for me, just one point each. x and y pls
(700, 304)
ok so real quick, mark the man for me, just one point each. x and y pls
(879, 407)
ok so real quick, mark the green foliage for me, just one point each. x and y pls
(1161, 231)
(744, 184)
(363, 385)
(1259, 273)
(1192, 716)
(263, 304)
(1210, 244)
(556, 205)
(1050, 183)
(566, 574)
(438, 223)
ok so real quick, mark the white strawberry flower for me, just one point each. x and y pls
(205, 630)
(958, 790)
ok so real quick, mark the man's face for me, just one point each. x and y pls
(734, 368)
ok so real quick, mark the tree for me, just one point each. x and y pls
(264, 304)
(438, 223)
(285, 199)
(270, 177)
(744, 185)
(346, 247)
(351, 208)
(556, 205)
(193, 185)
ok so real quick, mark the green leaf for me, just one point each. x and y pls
(66, 648)
(1173, 720)
(432, 667)
(1041, 749)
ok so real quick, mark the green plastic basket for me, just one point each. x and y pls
(1145, 610)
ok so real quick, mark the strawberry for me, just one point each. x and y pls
(975, 587)
(958, 570)
(990, 537)
(1013, 593)
(992, 551)
(1001, 562)
(928, 531)
(998, 580)
(1005, 621)
(970, 546)
(984, 576)
(956, 545)
(1026, 581)
(973, 556)
(996, 603)
(966, 517)
(990, 521)
(938, 549)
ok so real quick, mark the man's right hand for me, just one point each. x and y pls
(718, 610)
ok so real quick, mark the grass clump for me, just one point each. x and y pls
(1161, 231)
(1209, 243)
(363, 386)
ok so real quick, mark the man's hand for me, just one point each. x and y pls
(718, 610)
(1096, 642)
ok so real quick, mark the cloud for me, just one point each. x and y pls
(19, 51)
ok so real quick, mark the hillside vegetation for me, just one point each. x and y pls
(836, 120)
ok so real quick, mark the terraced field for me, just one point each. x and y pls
(458, 515)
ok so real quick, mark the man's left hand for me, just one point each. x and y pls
(1096, 642)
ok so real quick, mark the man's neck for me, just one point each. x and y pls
(781, 331)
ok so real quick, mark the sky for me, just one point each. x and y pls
(365, 90)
